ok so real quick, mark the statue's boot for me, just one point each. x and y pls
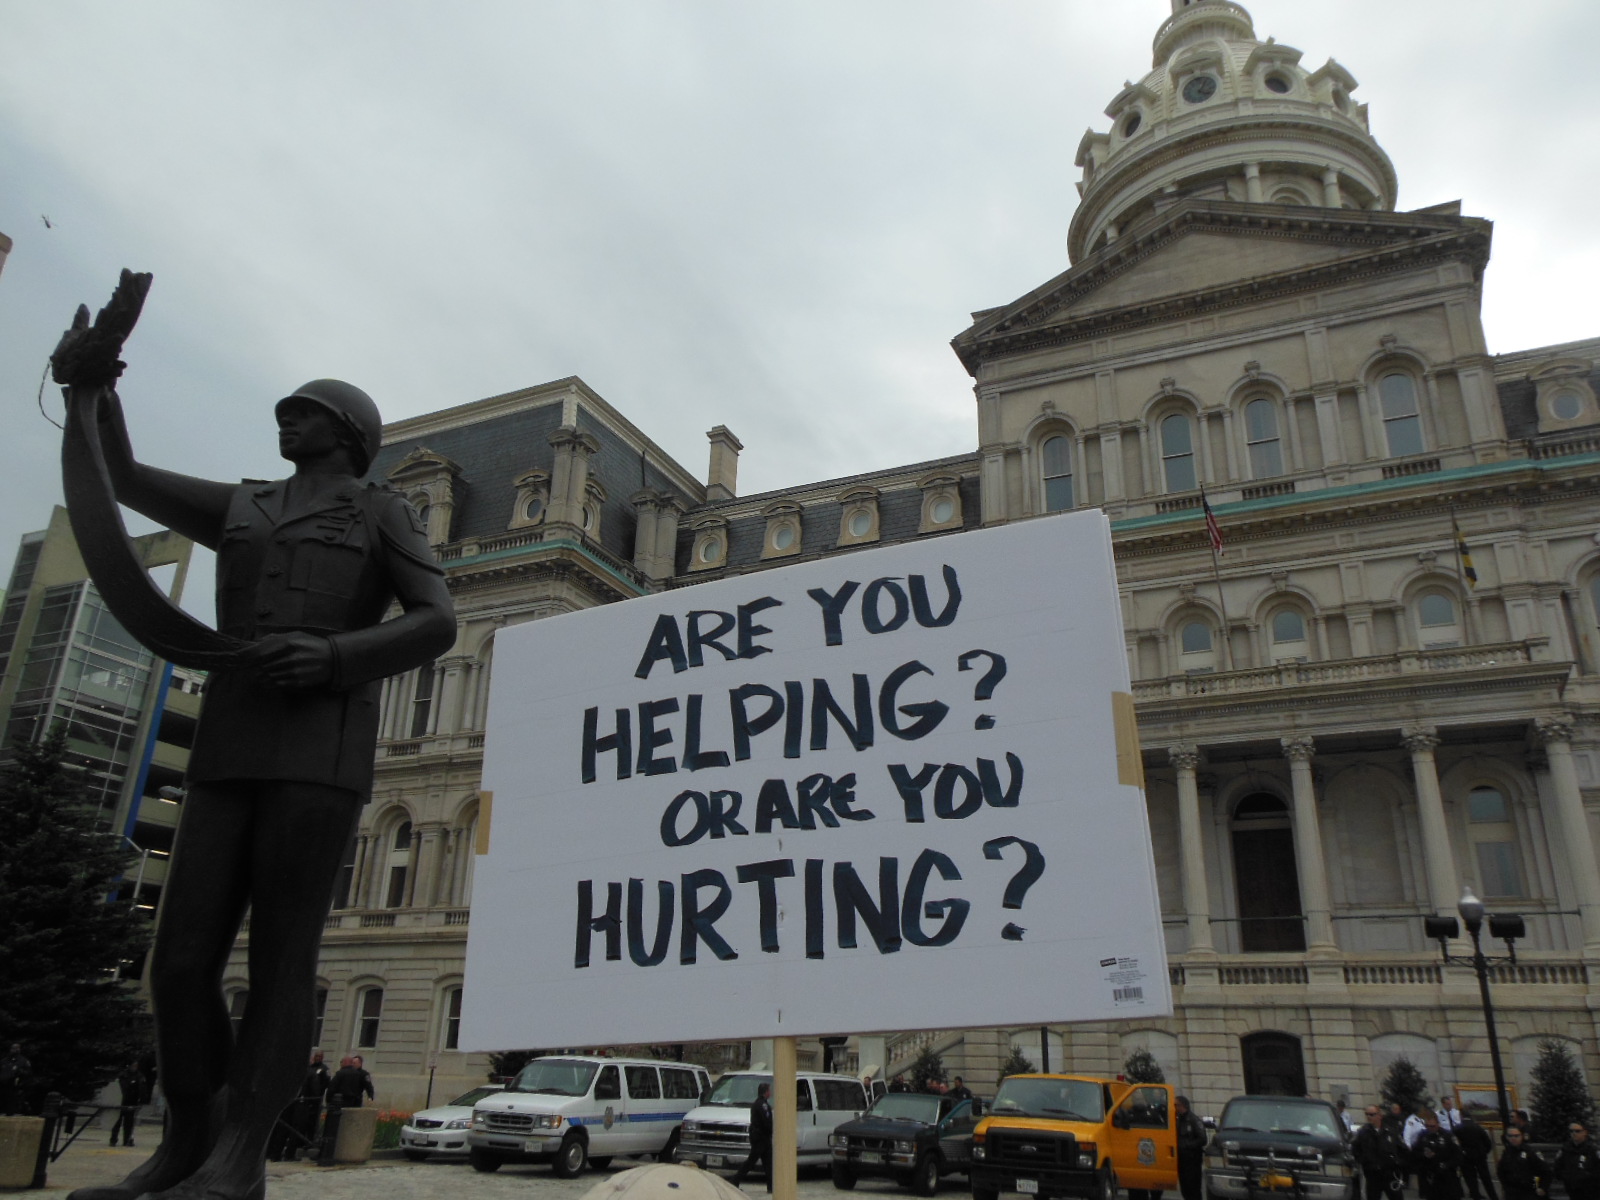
(154, 1175)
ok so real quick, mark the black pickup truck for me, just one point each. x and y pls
(1276, 1146)
(908, 1137)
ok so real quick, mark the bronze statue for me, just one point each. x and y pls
(282, 760)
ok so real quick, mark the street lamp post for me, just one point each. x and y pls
(1506, 927)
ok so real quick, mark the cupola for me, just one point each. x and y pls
(1226, 116)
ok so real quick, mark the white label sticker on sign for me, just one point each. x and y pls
(1125, 980)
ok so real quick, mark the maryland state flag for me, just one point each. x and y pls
(1463, 555)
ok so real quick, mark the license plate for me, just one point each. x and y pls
(871, 1156)
(424, 1141)
(1028, 1187)
(714, 1160)
(1277, 1181)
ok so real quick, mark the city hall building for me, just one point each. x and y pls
(1386, 688)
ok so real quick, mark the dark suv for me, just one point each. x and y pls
(1280, 1146)
(908, 1137)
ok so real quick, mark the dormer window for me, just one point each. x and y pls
(532, 499)
(1131, 124)
(1277, 83)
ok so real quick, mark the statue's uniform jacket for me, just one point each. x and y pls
(332, 568)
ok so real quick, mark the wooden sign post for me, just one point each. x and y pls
(785, 1120)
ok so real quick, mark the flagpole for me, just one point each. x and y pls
(1213, 536)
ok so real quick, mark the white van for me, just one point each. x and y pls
(717, 1134)
(571, 1110)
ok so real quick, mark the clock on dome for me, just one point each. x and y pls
(1200, 89)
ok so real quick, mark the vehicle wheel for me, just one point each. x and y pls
(600, 1162)
(1106, 1189)
(417, 1155)
(483, 1161)
(670, 1150)
(843, 1177)
(571, 1158)
(925, 1176)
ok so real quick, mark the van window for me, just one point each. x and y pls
(802, 1096)
(609, 1085)
(1146, 1108)
(838, 1096)
(678, 1084)
(642, 1083)
(555, 1077)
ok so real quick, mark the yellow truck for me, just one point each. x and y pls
(1076, 1135)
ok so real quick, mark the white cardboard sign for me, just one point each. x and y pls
(873, 792)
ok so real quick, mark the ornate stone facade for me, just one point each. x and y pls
(1342, 725)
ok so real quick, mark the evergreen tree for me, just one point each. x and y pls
(1559, 1096)
(1017, 1064)
(1404, 1085)
(1141, 1067)
(63, 941)
(929, 1068)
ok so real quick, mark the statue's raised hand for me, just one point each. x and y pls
(87, 355)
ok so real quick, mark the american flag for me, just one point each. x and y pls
(1213, 530)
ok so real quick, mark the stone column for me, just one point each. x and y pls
(1185, 756)
(1573, 823)
(644, 531)
(1330, 189)
(1308, 845)
(1444, 888)
(358, 877)
(470, 718)
(1252, 182)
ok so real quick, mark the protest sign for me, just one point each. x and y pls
(877, 791)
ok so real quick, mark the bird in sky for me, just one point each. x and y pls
(46, 221)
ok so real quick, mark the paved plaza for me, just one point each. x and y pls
(393, 1178)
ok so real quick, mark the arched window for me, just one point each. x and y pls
(1438, 620)
(1289, 636)
(1177, 453)
(1196, 653)
(1273, 1065)
(1265, 880)
(399, 864)
(533, 508)
(1261, 435)
(1401, 424)
(1493, 835)
(1056, 463)
(370, 1010)
(321, 1010)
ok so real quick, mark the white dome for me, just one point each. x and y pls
(1227, 116)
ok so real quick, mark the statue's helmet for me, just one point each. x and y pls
(353, 410)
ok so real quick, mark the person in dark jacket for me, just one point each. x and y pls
(1437, 1156)
(1476, 1146)
(16, 1075)
(959, 1090)
(349, 1083)
(131, 1088)
(1191, 1149)
(1380, 1155)
(1578, 1166)
(760, 1138)
(1522, 1172)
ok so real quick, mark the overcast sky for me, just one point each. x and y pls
(770, 215)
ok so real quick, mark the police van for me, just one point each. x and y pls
(571, 1110)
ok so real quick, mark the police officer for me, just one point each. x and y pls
(307, 568)
(760, 1138)
(1522, 1172)
(1476, 1146)
(1191, 1149)
(1579, 1164)
(1380, 1155)
(1437, 1155)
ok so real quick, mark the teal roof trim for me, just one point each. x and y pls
(1266, 504)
